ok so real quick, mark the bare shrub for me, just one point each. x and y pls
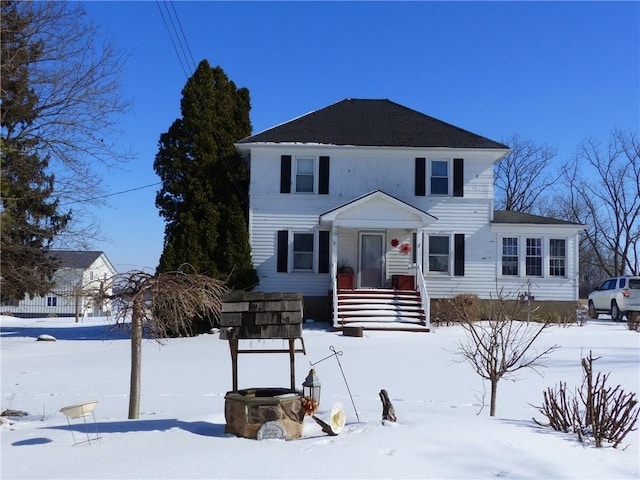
(443, 313)
(566, 318)
(449, 311)
(594, 411)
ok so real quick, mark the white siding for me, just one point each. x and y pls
(356, 171)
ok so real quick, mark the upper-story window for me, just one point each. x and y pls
(52, 301)
(305, 175)
(439, 177)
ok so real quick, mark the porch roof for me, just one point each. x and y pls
(377, 209)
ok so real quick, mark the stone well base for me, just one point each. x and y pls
(246, 411)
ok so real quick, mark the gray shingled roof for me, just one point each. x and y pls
(75, 258)
(378, 123)
(509, 216)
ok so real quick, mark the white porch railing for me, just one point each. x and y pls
(424, 296)
(334, 292)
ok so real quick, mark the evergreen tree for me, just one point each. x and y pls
(30, 217)
(204, 194)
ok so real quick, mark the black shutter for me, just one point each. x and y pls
(285, 174)
(283, 250)
(323, 176)
(458, 255)
(458, 177)
(414, 253)
(323, 252)
(421, 178)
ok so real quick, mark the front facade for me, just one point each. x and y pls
(388, 191)
(79, 275)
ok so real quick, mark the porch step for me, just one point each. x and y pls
(381, 309)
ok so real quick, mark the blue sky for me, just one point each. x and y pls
(553, 72)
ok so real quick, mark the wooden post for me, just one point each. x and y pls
(292, 362)
(233, 346)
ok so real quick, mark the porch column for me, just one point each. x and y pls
(418, 246)
(334, 248)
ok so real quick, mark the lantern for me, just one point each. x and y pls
(311, 393)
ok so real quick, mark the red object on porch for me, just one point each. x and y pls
(346, 281)
(403, 282)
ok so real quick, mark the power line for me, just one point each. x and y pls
(100, 197)
(112, 194)
(184, 37)
(178, 38)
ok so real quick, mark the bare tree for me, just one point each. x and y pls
(523, 177)
(603, 192)
(499, 347)
(163, 305)
(74, 79)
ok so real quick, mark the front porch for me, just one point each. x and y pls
(376, 280)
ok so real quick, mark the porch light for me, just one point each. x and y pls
(311, 393)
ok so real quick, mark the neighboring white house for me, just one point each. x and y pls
(390, 191)
(79, 273)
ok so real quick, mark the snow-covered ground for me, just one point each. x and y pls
(443, 429)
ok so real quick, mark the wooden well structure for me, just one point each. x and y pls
(263, 316)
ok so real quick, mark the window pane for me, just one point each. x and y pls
(303, 242)
(438, 263)
(439, 168)
(557, 247)
(303, 251)
(305, 165)
(439, 186)
(438, 254)
(304, 175)
(302, 261)
(304, 183)
(557, 261)
(510, 256)
(533, 260)
(439, 245)
(439, 177)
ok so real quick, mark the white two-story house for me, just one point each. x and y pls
(79, 275)
(390, 193)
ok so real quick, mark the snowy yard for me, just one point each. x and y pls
(437, 398)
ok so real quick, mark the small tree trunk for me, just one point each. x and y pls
(136, 362)
(494, 393)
